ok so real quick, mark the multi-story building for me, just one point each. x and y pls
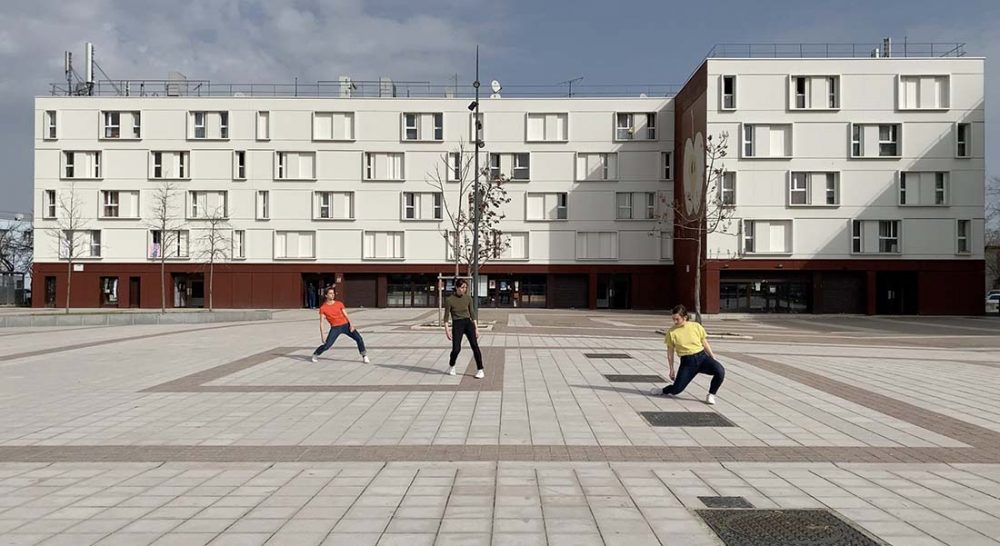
(851, 185)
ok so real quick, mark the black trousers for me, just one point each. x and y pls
(464, 327)
(693, 365)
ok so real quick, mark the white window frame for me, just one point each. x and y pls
(326, 195)
(183, 164)
(181, 242)
(727, 176)
(402, 246)
(412, 201)
(68, 241)
(900, 93)
(628, 128)
(562, 206)
(97, 168)
(857, 236)
(454, 167)
(111, 120)
(627, 207)
(107, 203)
(804, 190)
(281, 165)
(722, 92)
(617, 238)
(944, 191)
(262, 132)
(407, 126)
(750, 236)
(438, 120)
(285, 232)
(201, 125)
(667, 166)
(897, 228)
(113, 200)
(959, 143)
(833, 92)
(50, 204)
(367, 167)
(262, 205)
(50, 125)
(856, 133)
(239, 245)
(239, 164)
(529, 115)
(960, 239)
(194, 213)
(893, 128)
(749, 147)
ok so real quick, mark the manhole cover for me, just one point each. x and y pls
(686, 419)
(635, 378)
(783, 528)
(725, 502)
(607, 355)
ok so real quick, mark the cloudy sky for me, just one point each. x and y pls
(522, 41)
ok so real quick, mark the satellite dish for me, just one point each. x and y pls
(495, 86)
(239, 94)
(643, 96)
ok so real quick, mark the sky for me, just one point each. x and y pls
(522, 42)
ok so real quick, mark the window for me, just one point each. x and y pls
(295, 165)
(454, 167)
(651, 126)
(876, 140)
(239, 165)
(547, 206)
(602, 166)
(814, 92)
(333, 126)
(767, 237)
(627, 129)
(49, 129)
(727, 189)
(962, 133)
(208, 204)
(112, 125)
(263, 125)
(597, 245)
(667, 166)
(49, 204)
(476, 128)
(924, 92)
(962, 230)
(423, 126)
(635, 206)
(334, 205)
(813, 188)
(386, 166)
(421, 206)
(513, 166)
(169, 244)
(82, 165)
(263, 205)
(294, 245)
(624, 127)
(136, 125)
(729, 92)
(110, 204)
(516, 248)
(857, 237)
(169, 165)
(923, 188)
(383, 245)
(666, 245)
(763, 140)
(888, 236)
(109, 291)
(80, 244)
(205, 125)
(239, 244)
(547, 127)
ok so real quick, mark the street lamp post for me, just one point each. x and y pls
(477, 199)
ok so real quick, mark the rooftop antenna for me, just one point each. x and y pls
(570, 82)
(68, 69)
(89, 60)
(496, 87)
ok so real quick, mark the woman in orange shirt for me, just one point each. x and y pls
(334, 313)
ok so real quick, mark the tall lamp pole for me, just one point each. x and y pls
(477, 204)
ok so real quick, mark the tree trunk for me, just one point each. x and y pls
(163, 284)
(697, 274)
(69, 282)
(211, 284)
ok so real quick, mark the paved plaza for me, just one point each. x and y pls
(226, 434)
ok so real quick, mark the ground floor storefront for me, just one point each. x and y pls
(945, 287)
(281, 286)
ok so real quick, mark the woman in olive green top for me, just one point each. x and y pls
(458, 306)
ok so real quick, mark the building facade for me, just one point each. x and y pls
(852, 185)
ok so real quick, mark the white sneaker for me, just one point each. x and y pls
(710, 400)
(314, 358)
(656, 391)
(451, 370)
(364, 358)
(480, 374)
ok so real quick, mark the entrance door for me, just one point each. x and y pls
(613, 291)
(314, 286)
(896, 293)
(500, 291)
(197, 291)
(133, 291)
(180, 291)
(50, 291)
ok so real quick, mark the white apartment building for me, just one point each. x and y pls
(852, 185)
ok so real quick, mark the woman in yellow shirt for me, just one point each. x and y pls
(689, 341)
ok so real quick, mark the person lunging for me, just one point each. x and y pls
(689, 340)
(334, 313)
(458, 307)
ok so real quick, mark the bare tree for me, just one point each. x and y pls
(216, 246)
(71, 236)
(16, 246)
(992, 229)
(166, 226)
(704, 207)
(454, 179)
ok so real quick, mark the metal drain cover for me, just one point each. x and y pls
(783, 528)
(686, 419)
(635, 378)
(725, 502)
(607, 355)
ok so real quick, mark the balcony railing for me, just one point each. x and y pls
(837, 50)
